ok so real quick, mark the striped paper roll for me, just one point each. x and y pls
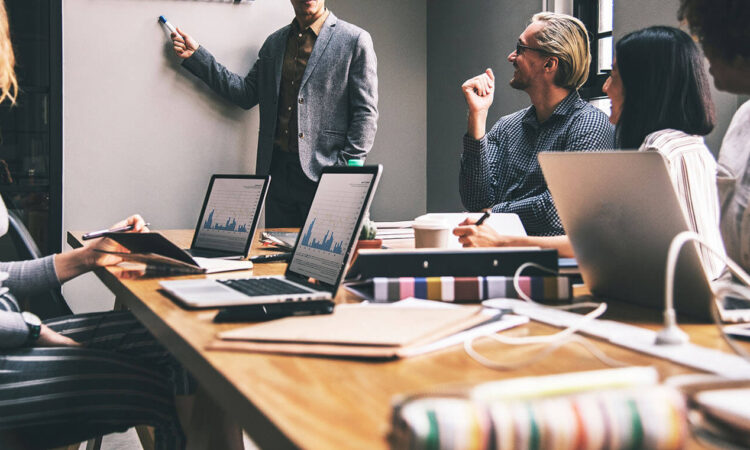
(470, 289)
(651, 417)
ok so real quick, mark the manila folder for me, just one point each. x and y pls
(354, 330)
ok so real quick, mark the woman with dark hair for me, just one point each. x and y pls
(660, 102)
(662, 72)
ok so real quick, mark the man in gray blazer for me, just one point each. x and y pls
(316, 83)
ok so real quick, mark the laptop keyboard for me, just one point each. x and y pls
(256, 287)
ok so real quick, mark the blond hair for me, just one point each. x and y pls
(566, 37)
(8, 81)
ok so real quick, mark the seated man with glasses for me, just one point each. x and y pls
(499, 169)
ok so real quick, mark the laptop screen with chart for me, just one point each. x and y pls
(229, 215)
(323, 249)
(326, 238)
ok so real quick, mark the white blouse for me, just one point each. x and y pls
(734, 187)
(693, 170)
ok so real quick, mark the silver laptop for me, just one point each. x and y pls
(321, 254)
(229, 215)
(621, 212)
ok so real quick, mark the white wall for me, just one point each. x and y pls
(141, 134)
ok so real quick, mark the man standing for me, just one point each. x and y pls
(499, 169)
(316, 83)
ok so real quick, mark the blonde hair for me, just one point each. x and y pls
(8, 81)
(566, 37)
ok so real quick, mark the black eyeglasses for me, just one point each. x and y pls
(520, 49)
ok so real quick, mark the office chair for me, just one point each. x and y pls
(19, 245)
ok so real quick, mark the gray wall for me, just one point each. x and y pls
(142, 135)
(398, 30)
(632, 15)
(463, 39)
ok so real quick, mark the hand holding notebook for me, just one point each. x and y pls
(156, 250)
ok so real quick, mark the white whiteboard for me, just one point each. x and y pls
(140, 132)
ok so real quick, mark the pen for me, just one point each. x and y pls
(100, 233)
(274, 240)
(270, 311)
(270, 258)
(483, 218)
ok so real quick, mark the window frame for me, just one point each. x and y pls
(587, 11)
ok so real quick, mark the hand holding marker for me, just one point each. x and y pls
(184, 46)
(166, 23)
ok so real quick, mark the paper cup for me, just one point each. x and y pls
(431, 234)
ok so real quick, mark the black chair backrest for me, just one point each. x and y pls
(19, 245)
(25, 245)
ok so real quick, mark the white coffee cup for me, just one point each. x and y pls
(431, 233)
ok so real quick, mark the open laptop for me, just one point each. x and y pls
(229, 215)
(321, 254)
(621, 212)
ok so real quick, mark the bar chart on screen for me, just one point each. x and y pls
(329, 229)
(326, 244)
(228, 214)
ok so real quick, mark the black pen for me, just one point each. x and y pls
(100, 233)
(270, 258)
(270, 311)
(483, 218)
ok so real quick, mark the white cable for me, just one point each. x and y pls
(557, 340)
(522, 295)
(547, 350)
(720, 288)
(724, 289)
(551, 338)
(551, 342)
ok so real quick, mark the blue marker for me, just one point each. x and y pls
(169, 26)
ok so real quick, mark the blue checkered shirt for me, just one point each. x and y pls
(501, 170)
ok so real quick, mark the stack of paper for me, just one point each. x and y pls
(394, 230)
(373, 331)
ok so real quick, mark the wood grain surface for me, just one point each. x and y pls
(291, 401)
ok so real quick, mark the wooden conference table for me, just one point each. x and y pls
(294, 401)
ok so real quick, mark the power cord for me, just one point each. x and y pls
(721, 288)
(548, 343)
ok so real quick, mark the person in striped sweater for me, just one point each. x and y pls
(660, 102)
(70, 379)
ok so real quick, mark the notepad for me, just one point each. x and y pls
(156, 251)
(358, 331)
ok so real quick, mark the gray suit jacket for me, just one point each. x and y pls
(337, 105)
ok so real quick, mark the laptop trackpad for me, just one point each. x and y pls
(204, 293)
